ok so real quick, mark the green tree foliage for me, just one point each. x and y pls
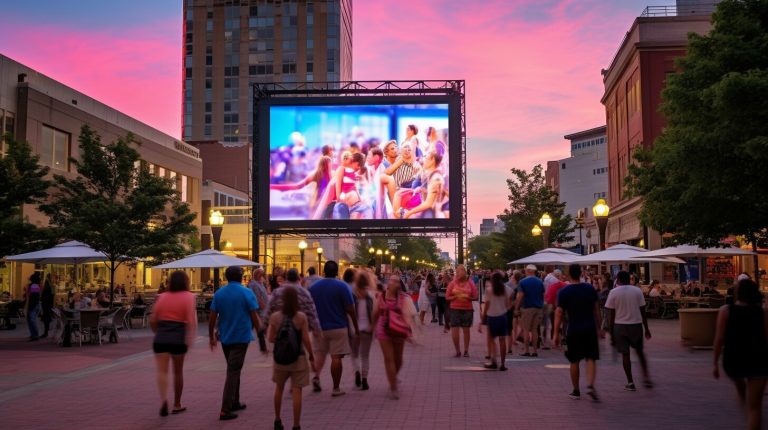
(117, 208)
(414, 247)
(22, 181)
(529, 198)
(705, 177)
(487, 252)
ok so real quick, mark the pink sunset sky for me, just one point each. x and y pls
(532, 67)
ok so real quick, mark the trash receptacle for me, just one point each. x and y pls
(697, 326)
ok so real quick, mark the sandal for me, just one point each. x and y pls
(466, 354)
(525, 354)
(178, 410)
(164, 410)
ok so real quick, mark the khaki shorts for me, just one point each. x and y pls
(531, 318)
(298, 372)
(334, 342)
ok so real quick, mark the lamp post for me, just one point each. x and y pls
(392, 259)
(580, 226)
(216, 220)
(600, 210)
(319, 259)
(302, 247)
(380, 255)
(536, 230)
(546, 223)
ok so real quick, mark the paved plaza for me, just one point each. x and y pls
(43, 386)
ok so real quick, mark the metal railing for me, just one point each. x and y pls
(685, 9)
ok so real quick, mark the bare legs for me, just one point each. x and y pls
(162, 360)
(296, 397)
(591, 374)
(393, 362)
(421, 316)
(627, 364)
(336, 369)
(455, 336)
(750, 393)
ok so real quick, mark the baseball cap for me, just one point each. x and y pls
(531, 267)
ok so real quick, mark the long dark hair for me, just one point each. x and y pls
(178, 281)
(748, 292)
(290, 301)
(359, 158)
(497, 280)
(431, 279)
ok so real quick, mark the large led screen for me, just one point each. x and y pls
(366, 164)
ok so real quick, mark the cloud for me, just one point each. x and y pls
(532, 72)
(136, 70)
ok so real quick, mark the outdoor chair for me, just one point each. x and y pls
(90, 325)
(654, 307)
(71, 319)
(138, 313)
(113, 322)
(57, 323)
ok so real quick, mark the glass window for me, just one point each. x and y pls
(161, 172)
(54, 149)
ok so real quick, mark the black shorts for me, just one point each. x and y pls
(170, 348)
(582, 345)
(626, 336)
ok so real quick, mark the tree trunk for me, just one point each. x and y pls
(112, 269)
(753, 239)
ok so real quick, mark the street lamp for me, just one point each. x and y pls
(536, 230)
(379, 255)
(600, 210)
(580, 226)
(319, 259)
(371, 250)
(545, 222)
(216, 220)
(302, 247)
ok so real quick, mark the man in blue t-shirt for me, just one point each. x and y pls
(235, 309)
(334, 303)
(529, 305)
(579, 300)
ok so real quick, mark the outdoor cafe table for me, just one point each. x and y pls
(67, 335)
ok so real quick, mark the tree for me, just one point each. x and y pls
(117, 208)
(529, 198)
(488, 250)
(414, 247)
(704, 178)
(23, 182)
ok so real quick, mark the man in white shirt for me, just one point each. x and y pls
(626, 306)
(551, 279)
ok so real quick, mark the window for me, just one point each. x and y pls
(7, 125)
(563, 166)
(54, 149)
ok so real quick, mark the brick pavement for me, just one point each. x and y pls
(46, 387)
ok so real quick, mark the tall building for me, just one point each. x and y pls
(583, 177)
(231, 44)
(552, 175)
(491, 225)
(48, 115)
(633, 84)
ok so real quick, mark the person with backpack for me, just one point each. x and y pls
(292, 353)
(394, 317)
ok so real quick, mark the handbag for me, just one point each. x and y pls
(396, 327)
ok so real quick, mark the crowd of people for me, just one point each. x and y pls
(362, 178)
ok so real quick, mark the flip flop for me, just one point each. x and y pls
(525, 354)
(179, 410)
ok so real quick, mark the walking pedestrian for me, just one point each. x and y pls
(256, 284)
(740, 337)
(461, 292)
(46, 301)
(174, 322)
(627, 319)
(293, 356)
(361, 346)
(306, 304)
(551, 279)
(514, 324)
(334, 302)
(426, 297)
(235, 311)
(494, 312)
(528, 306)
(432, 294)
(579, 301)
(442, 304)
(393, 316)
(32, 306)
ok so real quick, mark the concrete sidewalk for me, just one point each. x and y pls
(113, 385)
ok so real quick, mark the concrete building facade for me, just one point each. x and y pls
(48, 115)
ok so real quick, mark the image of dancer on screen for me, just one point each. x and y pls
(342, 198)
(405, 168)
(410, 138)
(425, 198)
(320, 177)
(390, 153)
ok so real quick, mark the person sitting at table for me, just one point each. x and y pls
(696, 290)
(79, 301)
(5, 296)
(101, 300)
(138, 300)
(655, 289)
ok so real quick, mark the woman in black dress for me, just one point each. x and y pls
(741, 338)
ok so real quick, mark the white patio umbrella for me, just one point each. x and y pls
(72, 252)
(622, 254)
(697, 251)
(548, 256)
(207, 258)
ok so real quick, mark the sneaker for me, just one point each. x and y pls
(365, 384)
(648, 383)
(278, 425)
(575, 395)
(592, 394)
(491, 365)
(316, 385)
(503, 368)
(357, 380)
(337, 392)
(238, 407)
(226, 416)
(630, 387)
